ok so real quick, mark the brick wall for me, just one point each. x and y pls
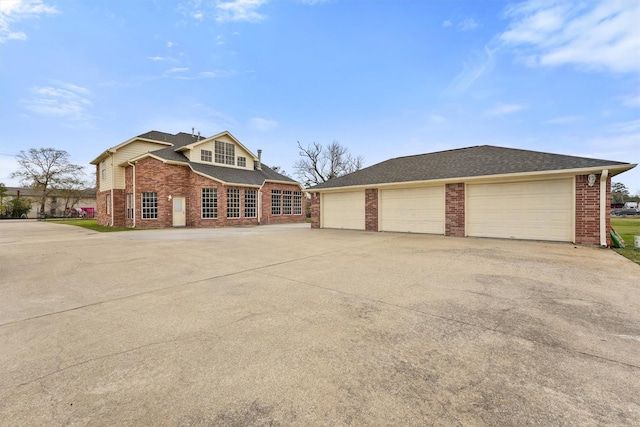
(588, 211)
(268, 217)
(454, 210)
(167, 180)
(371, 209)
(315, 210)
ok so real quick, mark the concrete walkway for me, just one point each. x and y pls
(283, 325)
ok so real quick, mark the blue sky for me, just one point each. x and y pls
(384, 78)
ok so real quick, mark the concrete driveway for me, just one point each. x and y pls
(283, 325)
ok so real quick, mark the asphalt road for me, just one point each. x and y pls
(284, 325)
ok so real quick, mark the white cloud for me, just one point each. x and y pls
(631, 100)
(263, 125)
(564, 120)
(598, 35)
(13, 11)
(178, 70)
(161, 58)
(64, 100)
(219, 40)
(504, 109)
(472, 71)
(447, 23)
(198, 15)
(467, 24)
(239, 10)
(437, 118)
(170, 44)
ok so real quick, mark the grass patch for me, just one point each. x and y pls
(91, 224)
(627, 228)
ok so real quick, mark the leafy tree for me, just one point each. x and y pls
(47, 170)
(3, 194)
(320, 164)
(16, 208)
(619, 192)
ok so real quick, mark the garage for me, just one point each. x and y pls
(534, 210)
(414, 210)
(343, 210)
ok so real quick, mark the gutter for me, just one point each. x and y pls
(603, 208)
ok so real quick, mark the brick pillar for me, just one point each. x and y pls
(454, 210)
(315, 210)
(588, 211)
(371, 209)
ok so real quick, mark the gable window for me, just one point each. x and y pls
(209, 200)
(225, 153)
(129, 205)
(108, 203)
(286, 202)
(276, 202)
(205, 155)
(242, 162)
(249, 203)
(103, 170)
(150, 205)
(233, 203)
(297, 202)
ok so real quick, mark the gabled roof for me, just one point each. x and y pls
(193, 144)
(478, 161)
(220, 173)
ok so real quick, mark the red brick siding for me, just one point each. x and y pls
(315, 210)
(167, 180)
(454, 210)
(268, 217)
(371, 209)
(588, 211)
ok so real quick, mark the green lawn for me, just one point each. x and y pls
(91, 224)
(627, 228)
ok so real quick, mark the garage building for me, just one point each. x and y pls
(482, 191)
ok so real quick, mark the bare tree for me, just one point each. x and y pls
(47, 170)
(320, 164)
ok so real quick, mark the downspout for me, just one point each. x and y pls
(113, 183)
(603, 208)
(133, 165)
(260, 205)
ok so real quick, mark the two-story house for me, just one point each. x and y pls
(162, 180)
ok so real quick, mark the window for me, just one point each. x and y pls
(205, 155)
(276, 201)
(103, 170)
(225, 153)
(297, 202)
(286, 202)
(249, 203)
(233, 203)
(109, 204)
(209, 200)
(129, 205)
(242, 162)
(150, 205)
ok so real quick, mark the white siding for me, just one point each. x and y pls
(534, 210)
(343, 210)
(415, 210)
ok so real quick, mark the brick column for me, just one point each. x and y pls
(588, 211)
(315, 210)
(454, 210)
(371, 209)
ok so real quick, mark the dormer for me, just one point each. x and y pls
(222, 149)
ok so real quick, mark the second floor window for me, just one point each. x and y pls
(225, 153)
(205, 155)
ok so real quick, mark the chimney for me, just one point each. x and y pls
(192, 131)
(259, 164)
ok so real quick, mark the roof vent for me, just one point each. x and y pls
(198, 135)
(192, 131)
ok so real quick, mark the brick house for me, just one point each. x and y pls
(158, 180)
(481, 191)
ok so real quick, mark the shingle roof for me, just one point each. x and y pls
(226, 174)
(484, 160)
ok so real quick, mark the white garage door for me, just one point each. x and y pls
(343, 210)
(415, 210)
(536, 210)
